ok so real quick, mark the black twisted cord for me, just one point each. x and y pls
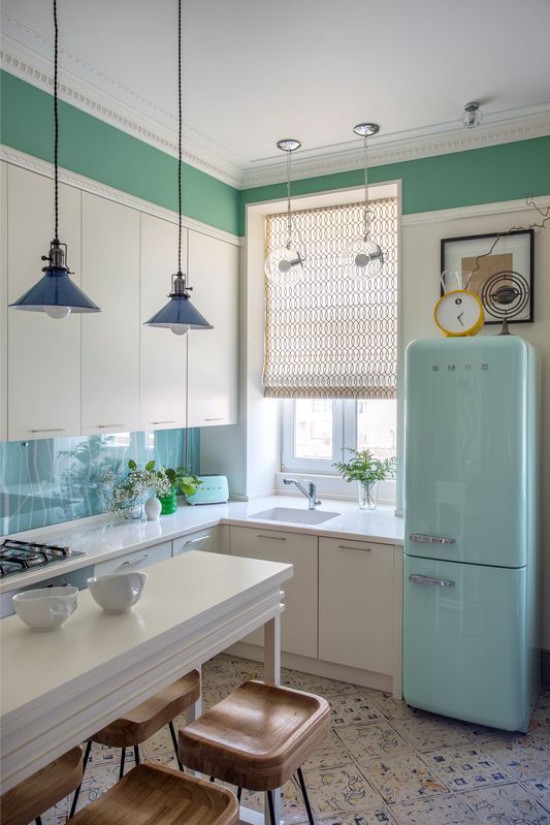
(179, 139)
(56, 122)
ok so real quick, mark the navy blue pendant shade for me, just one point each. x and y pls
(179, 311)
(55, 293)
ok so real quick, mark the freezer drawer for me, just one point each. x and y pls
(465, 649)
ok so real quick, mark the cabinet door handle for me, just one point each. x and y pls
(213, 419)
(107, 426)
(420, 537)
(273, 538)
(353, 547)
(163, 422)
(50, 430)
(129, 563)
(416, 578)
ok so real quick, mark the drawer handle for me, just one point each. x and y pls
(163, 422)
(213, 419)
(50, 430)
(420, 537)
(431, 582)
(107, 426)
(128, 563)
(354, 547)
(273, 538)
(195, 541)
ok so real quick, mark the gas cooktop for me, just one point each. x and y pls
(17, 556)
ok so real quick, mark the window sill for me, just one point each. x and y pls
(335, 487)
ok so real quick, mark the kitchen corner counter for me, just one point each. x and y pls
(107, 536)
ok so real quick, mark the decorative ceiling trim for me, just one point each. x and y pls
(139, 117)
(42, 167)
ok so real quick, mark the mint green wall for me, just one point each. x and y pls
(92, 148)
(497, 173)
(99, 151)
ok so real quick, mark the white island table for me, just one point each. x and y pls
(60, 687)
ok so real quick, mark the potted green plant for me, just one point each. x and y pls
(367, 471)
(181, 481)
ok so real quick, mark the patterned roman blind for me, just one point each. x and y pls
(331, 336)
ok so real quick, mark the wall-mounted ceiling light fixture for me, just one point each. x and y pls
(472, 115)
(362, 257)
(285, 264)
(179, 315)
(55, 293)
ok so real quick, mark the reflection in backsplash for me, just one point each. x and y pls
(58, 479)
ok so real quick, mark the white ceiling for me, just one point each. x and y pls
(255, 71)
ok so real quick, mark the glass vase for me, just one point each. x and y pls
(367, 492)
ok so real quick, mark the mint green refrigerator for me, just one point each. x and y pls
(471, 529)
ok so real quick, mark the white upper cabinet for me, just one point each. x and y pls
(212, 366)
(43, 354)
(110, 340)
(163, 369)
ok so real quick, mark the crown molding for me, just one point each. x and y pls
(443, 139)
(42, 167)
(91, 90)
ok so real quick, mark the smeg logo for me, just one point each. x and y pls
(458, 368)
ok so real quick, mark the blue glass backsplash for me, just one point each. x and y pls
(58, 479)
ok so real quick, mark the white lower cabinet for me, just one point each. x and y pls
(136, 560)
(357, 604)
(299, 620)
(209, 540)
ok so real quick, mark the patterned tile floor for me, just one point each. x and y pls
(384, 762)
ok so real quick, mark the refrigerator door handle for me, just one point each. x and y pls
(420, 537)
(430, 581)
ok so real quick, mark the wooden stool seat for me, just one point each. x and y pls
(152, 794)
(46, 787)
(257, 737)
(150, 716)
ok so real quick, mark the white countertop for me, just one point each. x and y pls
(107, 536)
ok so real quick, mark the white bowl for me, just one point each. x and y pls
(119, 591)
(46, 608)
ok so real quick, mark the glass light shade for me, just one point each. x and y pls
(179, 312)
(285, 265)
(472, 116)
(56, 294)
(362, 258)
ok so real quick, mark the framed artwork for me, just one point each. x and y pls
(468, 263)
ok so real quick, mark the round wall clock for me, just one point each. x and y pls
(459, 313)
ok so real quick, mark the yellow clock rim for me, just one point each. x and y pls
(474, 329)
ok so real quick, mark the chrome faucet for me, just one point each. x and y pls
(310, 492)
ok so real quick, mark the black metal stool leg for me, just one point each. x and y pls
(122, 760)
(239, 793)
(77, 792)
(136, 754)
(305, 796)
(175, 743)
(38, 821)
(271, 807)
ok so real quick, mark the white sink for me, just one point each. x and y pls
(293, 514)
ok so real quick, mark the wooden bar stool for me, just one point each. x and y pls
(46, 787)
(143, 721)
(257, 738)
(152, 794)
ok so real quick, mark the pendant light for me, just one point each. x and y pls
(55, 293)
(179, 315)
(362, 257)
(472, 115)
(285, 264)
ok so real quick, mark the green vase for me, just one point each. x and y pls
(169, 504)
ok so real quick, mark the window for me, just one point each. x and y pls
(315, 431)
(331, 341)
